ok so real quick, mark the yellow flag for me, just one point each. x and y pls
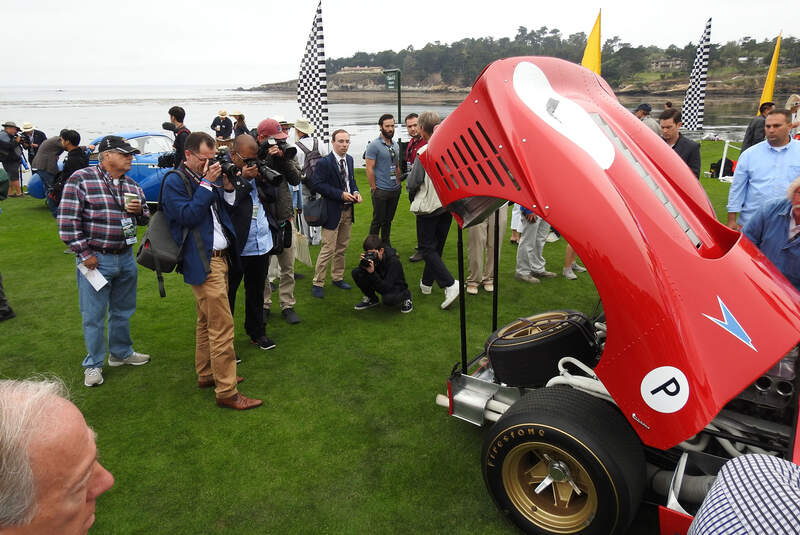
(769, 83)
(591, 56)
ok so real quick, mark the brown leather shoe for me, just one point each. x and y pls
(208, 383)
(239, 402)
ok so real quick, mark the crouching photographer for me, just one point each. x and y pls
(278, 155)
(380, 272)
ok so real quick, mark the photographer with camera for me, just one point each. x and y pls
(199, 219)
(277, 155)
(249, 215)
(11, 156)
(380, 272)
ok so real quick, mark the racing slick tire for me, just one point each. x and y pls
(578, 450)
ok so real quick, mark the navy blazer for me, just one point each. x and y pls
(326, 182)
(184, 212)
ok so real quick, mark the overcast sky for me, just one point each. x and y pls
(247, 42)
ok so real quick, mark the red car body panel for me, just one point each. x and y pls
(671, 522)
(694, 311)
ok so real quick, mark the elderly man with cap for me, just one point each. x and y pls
(280, 156)
(222, 125)
(775, 229)
(11, 156)
(50, 475)
(32, 139)
(643, 113)
(97, 218)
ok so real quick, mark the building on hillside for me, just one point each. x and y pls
(667, 64)
(361, 70)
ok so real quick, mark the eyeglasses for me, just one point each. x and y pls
(202, 160)
(391, 151)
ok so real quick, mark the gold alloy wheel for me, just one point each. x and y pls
(532, 325)
(567, 501)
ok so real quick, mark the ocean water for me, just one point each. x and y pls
(96, 111)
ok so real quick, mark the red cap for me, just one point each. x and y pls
(271, 128)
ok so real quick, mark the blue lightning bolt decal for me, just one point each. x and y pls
(729, 323)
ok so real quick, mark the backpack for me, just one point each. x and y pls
(158, 250)
(312, 156)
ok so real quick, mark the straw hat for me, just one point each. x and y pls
(222, 113)
(27, 127)
(302, 125)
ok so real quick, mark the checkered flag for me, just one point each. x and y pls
(694, 102)
(312, 84)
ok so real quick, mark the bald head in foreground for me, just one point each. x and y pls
(50, 477)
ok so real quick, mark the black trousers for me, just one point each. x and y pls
(384, 205)
(364, 282)
(433, 235)
(254, 271)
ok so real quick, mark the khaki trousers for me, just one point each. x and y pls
(334, 245)
(286, 287)
(214, 353)
(479, 241)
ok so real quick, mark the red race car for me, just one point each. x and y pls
(694, 360)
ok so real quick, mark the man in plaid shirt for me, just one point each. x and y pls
(97, 217)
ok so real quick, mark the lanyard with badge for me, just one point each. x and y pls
(393, 164)
(128, 227)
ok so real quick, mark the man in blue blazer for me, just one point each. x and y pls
(333, 179)
(204, 214)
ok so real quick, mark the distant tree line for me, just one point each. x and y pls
(459, 63)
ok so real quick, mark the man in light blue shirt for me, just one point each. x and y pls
(382, 157)
(775, 229)
(250, 219)
(764, 170)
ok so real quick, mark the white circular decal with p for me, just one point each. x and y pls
(665, 389)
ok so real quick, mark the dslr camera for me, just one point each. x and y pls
(369, 255)
(228, 168)
(265, 171)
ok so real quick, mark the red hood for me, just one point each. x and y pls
(684, 295)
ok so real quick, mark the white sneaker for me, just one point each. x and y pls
(425, 289)
(569, 274)
(551, 237)
(578, 268)
(92, 376)
(450, 294)
(136, 359)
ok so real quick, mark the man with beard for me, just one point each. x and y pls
(382, 157)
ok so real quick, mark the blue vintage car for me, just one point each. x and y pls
(144, 168)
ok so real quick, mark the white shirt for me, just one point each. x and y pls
(220, 241)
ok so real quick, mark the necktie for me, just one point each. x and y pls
(342, 174)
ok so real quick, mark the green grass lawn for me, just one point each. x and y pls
(349, 439)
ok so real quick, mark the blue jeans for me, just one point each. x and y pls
(116, 300)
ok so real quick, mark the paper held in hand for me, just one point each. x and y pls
(95, 278)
